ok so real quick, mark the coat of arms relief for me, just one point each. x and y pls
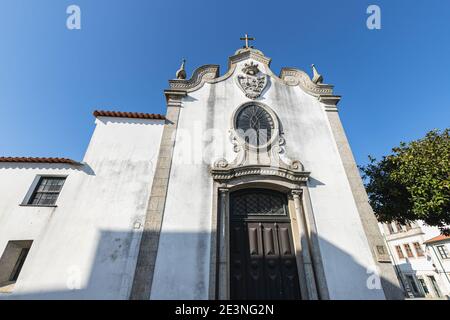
(252, 82)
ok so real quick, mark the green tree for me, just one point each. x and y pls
(413, 182)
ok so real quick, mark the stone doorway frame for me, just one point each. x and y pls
(312, 279)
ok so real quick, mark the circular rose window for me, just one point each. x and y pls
(254, 124)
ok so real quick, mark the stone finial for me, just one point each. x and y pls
(181, 73)
(317, 78)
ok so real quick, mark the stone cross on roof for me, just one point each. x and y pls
(246, 38)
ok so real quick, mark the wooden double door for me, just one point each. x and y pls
(262, 255)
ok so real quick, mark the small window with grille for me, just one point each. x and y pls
(258, 202)
(47, 191)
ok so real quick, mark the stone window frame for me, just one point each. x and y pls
(275, 130)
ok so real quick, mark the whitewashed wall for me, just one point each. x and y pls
(183, 258)
(90, 240)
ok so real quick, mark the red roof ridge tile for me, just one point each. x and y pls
(438, 238)
(39, 160)
(134, 115)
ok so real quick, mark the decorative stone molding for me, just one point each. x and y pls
(222, 171)
(294, 77)
(199, 77)
(289, 76)
(297, 192)
(264, 160)
(330, 102)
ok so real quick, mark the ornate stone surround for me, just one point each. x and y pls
(237, 139)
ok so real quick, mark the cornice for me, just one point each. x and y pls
(174, 96)
(224, 174)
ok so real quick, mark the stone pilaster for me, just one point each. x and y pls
(305, 247)
(224, 292)
(148, 249)
(387, 274)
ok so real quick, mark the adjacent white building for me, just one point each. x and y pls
(245, 189)
(421, 258)
(77, 225)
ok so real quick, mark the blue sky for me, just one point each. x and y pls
(395, 82)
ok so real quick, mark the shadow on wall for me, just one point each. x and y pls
(355, 274)
(313, 183)
(112, 269)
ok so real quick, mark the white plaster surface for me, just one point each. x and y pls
(86, 247)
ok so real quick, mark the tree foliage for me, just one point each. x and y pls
(413, 183)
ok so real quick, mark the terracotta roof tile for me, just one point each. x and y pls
(38, 160)
(135, 115)
(440, 237)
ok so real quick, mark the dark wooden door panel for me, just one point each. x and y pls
(255, 265)
(271, 261)
(238, 261)
(262, 255)
(291, 288)
(263, 264)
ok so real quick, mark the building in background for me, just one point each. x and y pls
(421, 257)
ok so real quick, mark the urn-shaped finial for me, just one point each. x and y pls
(181, 73)
(317, 77)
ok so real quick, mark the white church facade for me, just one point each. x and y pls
(245, 189)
